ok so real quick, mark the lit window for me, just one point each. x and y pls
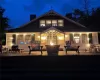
(54, 22)
(42, 23)
(60, 22)
(20, 39)
(48, 22)
(76, 38)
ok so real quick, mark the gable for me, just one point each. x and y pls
(34, 25)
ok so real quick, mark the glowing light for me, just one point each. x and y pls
(88, 39)
(73, 33)
(11, 44)
(66, 35)
(60, 38)
(51, 43)
(76, 37)
(80, 34)
(43, 38)
(88, 45)
(11, 38)
(17, 34)
(38, 36)
(24, 34)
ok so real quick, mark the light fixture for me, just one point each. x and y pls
(51, 43)
(17, 34)
(24, 34)
(66, 35)
(38, 36)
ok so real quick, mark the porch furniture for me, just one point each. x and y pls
(72, 49)
(52, 50)
(14, 48)
(36, 48)
(5, 50)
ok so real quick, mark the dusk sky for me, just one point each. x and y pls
(18, 11)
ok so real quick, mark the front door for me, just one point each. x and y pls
(52, 39)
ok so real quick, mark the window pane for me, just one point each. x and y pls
(60, 21)
(84, 38)
(48, 21)
(20, 39)
(41, 24)
(54, 21)
(60, 24)
(27, 39)
(42, 21)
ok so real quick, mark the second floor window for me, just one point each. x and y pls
(54, 22)
(48, 22)
(44, 23)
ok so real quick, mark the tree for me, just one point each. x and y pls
(3, 25)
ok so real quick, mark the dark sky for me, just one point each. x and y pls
(18, 11)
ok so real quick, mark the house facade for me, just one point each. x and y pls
(51, 28)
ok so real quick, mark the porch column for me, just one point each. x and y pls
(95, 37)
(40, 38)
(64, 39)
(80, 38)
(88, 38)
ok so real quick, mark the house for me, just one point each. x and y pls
(51, 28)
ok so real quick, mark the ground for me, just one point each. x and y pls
(37, 67)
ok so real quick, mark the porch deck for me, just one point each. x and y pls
(37, 53)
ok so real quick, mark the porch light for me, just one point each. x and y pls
(17, 34)
(66, 35)
(24, 34)
(51, 43)
(38, 36)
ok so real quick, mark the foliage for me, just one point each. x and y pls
(3, 25)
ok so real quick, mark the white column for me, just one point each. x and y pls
(80, 38)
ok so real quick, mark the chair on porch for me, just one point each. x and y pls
(14, 48)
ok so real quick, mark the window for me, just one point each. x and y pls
(54, 22)
(48, 22)
(20, 39)
(27, 39)
(42, 23)
(60, 22)
(84, 38)
(76, 38)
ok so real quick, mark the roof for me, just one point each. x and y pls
(51, 12)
